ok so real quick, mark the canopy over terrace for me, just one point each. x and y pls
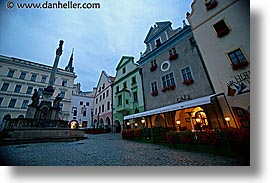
(174, 107)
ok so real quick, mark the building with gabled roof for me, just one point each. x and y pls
(222, 32)
(127, 93)
(103, 117)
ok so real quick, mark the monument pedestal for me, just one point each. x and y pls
(31, 111)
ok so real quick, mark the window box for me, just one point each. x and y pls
(154, 93)
(188, 82)
(173, 56)
(171, 87)
(164, 89)
(153, 67)
(239, 65)
(223, 32)
(210, 4)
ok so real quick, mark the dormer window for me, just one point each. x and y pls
(158, 42)
(221, 28)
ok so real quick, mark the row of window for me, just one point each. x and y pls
(83, 111)
(33, 77)
(134, 81)
(29, 90)
(169, 80)
(101, 109)
(82, 103)
(13, 102)
(135, 99)
(102, 96)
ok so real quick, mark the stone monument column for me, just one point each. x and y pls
(48, 92)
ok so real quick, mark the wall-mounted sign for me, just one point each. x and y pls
(239, 84)
(183, 98)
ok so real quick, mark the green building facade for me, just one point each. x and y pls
(127, 93)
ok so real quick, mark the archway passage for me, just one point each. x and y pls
(117, 127)
(95, 124)
(73, 124)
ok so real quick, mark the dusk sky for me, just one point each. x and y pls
(100, 37)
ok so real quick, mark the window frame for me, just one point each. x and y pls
(17, 88)
(188, 74)
(29, 90)
(43, 79)
(167, 82)
(239, 64)
(33, 77)
(23, 75)
(5, 86)
(12, 103)
(11, 73)
(25, 104)
(222, 32)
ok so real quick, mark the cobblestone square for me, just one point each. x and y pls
(106, 150)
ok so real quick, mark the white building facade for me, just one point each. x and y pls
(18, 80)
(222, 32)
(82, 105)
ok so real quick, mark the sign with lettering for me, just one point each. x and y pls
(239, 84)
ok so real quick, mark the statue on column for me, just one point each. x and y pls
(57, 101)
(35, 98)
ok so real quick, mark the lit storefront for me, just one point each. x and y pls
(194, 115)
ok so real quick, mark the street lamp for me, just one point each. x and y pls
(227, 119)
(143, 121)
(178, 127)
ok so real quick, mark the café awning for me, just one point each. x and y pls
(173, 107)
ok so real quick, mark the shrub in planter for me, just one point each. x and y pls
(237, 136)
(127, 134)
(208, 137)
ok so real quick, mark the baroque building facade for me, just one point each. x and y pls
(20, 78)
(103, 113)
(127, 93)
(176, 86)
(222, 31)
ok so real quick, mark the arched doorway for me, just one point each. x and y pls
(117, 127)
(95, 124)
(73, 124)
(159, 121)
(101, 122)
(242, 117)
(107, 123)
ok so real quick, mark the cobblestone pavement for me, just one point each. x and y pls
(105, 150)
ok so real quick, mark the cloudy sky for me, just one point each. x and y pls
(100, 37)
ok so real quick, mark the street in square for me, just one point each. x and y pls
(106, 150)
